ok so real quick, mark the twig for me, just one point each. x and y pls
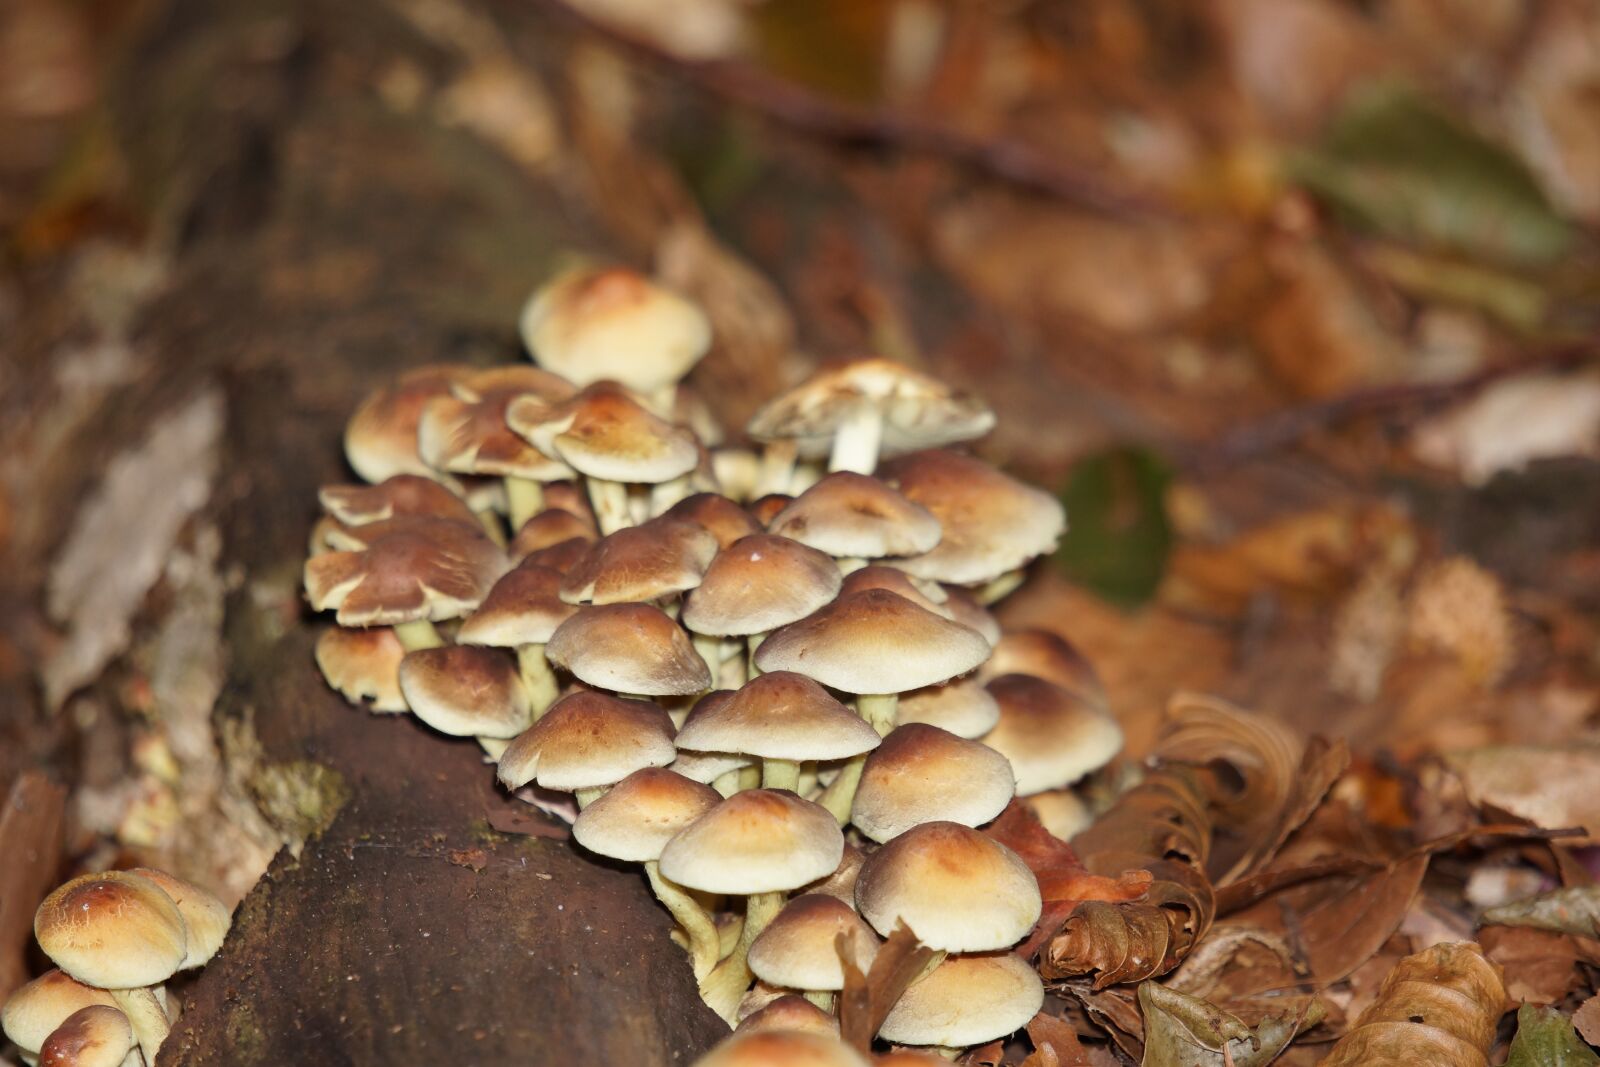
(748, 86)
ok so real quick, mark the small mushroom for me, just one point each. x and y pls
(1046, 655)
(467, 691)
(380, 440)
(922, 774)
(966, 1001)
(96, 1036)
(629, 648)
(363, 665)
(34, 1011)
(962, 706)
(1051, 736)
(588, 742)
(782, 1048)
(789, 1012)
(650, 562)
(800, 948)
(523, 611)
(397, 497)
(725, 520)
(854, 517)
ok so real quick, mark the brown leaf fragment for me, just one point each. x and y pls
(526, 822)
(1549, 786)
(1566, 911)
(869, 995)
(1185, 1031)
(1539, 967)
(1055, 1044)
(1339, 934)
(473, 859)
(30, 838)
(1438, 1006)
(1114, 1010)
(1587, 1020)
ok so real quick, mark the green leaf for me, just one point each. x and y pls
(1545, 1038)
(1118, 535)
(1565, 911)
(1185, 1031)
(1395, 164)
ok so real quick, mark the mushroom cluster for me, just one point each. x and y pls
(768, 677)
(115, 938)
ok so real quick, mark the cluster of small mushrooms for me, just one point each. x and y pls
(768, 677)
(115, 938)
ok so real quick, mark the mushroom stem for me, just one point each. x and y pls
(727, 783)
(749, 777)
(710, 649)
(585, 797)
(610, 500)
(840, 795)
(725, 986)
(705, 945)
(855, 444)
(821, 998)
(538, 677)
(418, 634)
(780, 774)
(1001, 587)
(494, 747)
(145, 1016)
(777, 468)
(879, 709)
(665, 494)
(754, 643)
(525, 499)
(491, 526)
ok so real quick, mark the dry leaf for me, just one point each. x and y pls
(867, 996)
(1587, 1020)
(1185, 1031)
(1512, 423)
(1545, 1039)
(1343, 931)
(1565, 911)
(1548, 786)
(473, 859)
(1438, 1006)
(1539, 967)
(1055, 1044)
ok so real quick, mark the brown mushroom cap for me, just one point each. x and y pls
(641, 813)
(34, 1011)
(928, 595)
(96, 1036)
(962, 706)
(918, 411)
(873, 642)
(1045, 655)
(957, 889)
(604, 433)
(757, 841)
(760, 583)
(660, 558)
(798, 949)
(399, 496)
(782, 1048)
(966, 1000)
(789, 1012)
(849, 515)
(781, 715)
(113, 930)
(1052, 737)
(380, 440)
(523, 608)
(466, 432)
(363, 665)
(708, 766)
(588, 740)
(991, 523)
(206, 919)
(412, 569)
(561, 557)
(964, 608)
(611, 322)
(921, 774)
(769, 507)
(841, 882)
(550, 528)
(629, 648)
(466, 691)
(725, 520)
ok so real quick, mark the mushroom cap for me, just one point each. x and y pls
(380, 440)
(523, 608)
(612, 322)
(412, 569)
(757, 841)
(400, 495)
(587, 740)
(841, 882)
(466, 691)
(466, 432)
(560, 557)
(930, 595)
(922, 773)
(1051, 736)
(206, 919)
(767, 508)
(605, 433)
(363, 665)
(657, 559)
(760, 583)
(635, 820)
(707, 767)
(964, 608)
(549, 528)
(34, 1011)
(873, 642)
(991, 523)
(1046, 655)
(114, 930)
(96, 1036)
(781, 715)
(725, 520)
(789, 1012)
(918, 411)
(957, 889)
(966, 1000)
(782, 1048)
(629, 648)
(797, 949)
(909, 1057)
(847, 515)
(962, 706)
(1060, 811)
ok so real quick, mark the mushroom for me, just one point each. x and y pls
(854, 411)
(789, 1012)
(467, 691)
(738, 471)
(964, 608)
(962, 706)
(841, 882)
(523, 611)
(395, 497)
(590, 324)
(380, 440)
(766, 508)
(363, 665)
(34, 1011)
(1046, 655)
(922, 773)
(550, 528)
(633, 822)
(783, 717)
(800, 948)
(609, 437)
(758, 844)
(725, 520)
(650, 562)
(966, 1001)
(782, 1048)
(466, 433)
(206, 919)
(411, 573)
(1051, 736)
(853, 517)
(629, 648)
(1060, 811)
(122, 933)
(586, 743)
(96, 1036)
